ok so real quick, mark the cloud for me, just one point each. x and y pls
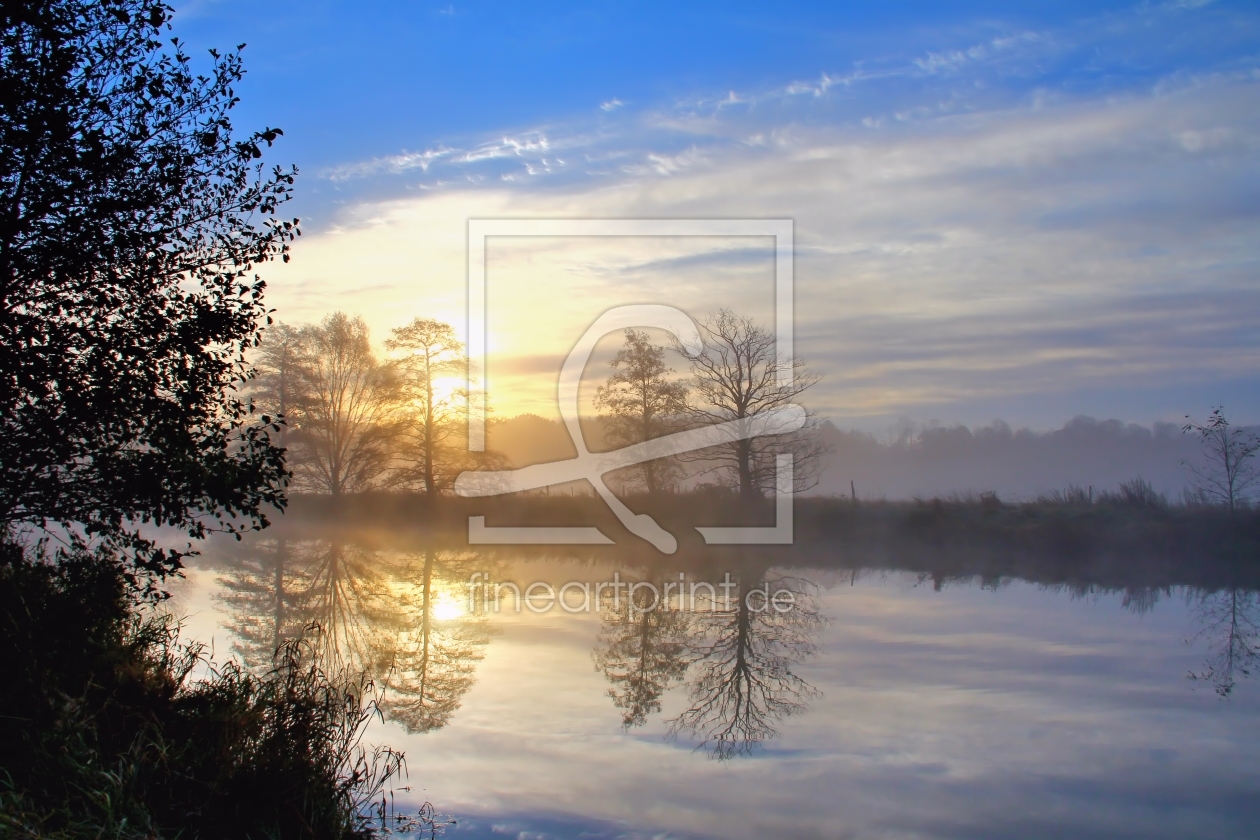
(954, 245)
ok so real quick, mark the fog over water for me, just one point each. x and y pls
(888, 702)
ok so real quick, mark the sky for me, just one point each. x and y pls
(1024, 213)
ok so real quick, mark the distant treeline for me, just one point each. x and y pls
(930, 460)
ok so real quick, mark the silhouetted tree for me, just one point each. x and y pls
(742, 682)
(345, 422)
(640, 402)
(1229, 470)
(131, 222)
(432, 417)
(736, 377)
(278, 387)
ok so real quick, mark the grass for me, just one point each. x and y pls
(105, 731)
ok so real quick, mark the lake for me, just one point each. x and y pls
(863, 702)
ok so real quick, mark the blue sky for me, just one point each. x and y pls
(1028, 212)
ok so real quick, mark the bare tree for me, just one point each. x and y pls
(736, 377)
(345, 420)
(640, 402)
(1228, 471)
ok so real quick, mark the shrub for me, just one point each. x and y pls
(108, 734)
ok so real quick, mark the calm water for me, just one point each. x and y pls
(879, 705)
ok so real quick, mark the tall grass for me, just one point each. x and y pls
(107, 732)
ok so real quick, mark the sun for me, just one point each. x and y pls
(447, 608)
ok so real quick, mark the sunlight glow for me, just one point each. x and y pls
(447, 608)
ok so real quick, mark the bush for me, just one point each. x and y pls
(107, 733)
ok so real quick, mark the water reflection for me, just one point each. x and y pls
(742, 681)
(434, 658)
(957, 685)
(403, 615)
(399, 617)
(732, 643)
(262, 601)
(642, 651)
(1229, 621)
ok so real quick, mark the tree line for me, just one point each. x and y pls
(354, 421)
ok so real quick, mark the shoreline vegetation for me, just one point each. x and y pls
(115, 726)
(136, 221)
(1118, 540)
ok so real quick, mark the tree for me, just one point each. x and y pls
(345, 419)
(278, 386)
(735, 377)
(639, 403)
(1229, 470)
(431, 415)
(131, 223)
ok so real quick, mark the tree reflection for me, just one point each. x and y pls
(435, 657)
(398, 619)
(643, 649)
(1142, 599)
(742, 683)
(1229, 621)
(260, 596)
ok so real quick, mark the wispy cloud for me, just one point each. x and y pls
(958, 241)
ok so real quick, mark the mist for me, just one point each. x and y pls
(925, 460)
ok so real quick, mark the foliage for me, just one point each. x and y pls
(131, 221)
(107, 733)
(432, 451)
(640, 402)
(1229, 470)
(343, 421)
